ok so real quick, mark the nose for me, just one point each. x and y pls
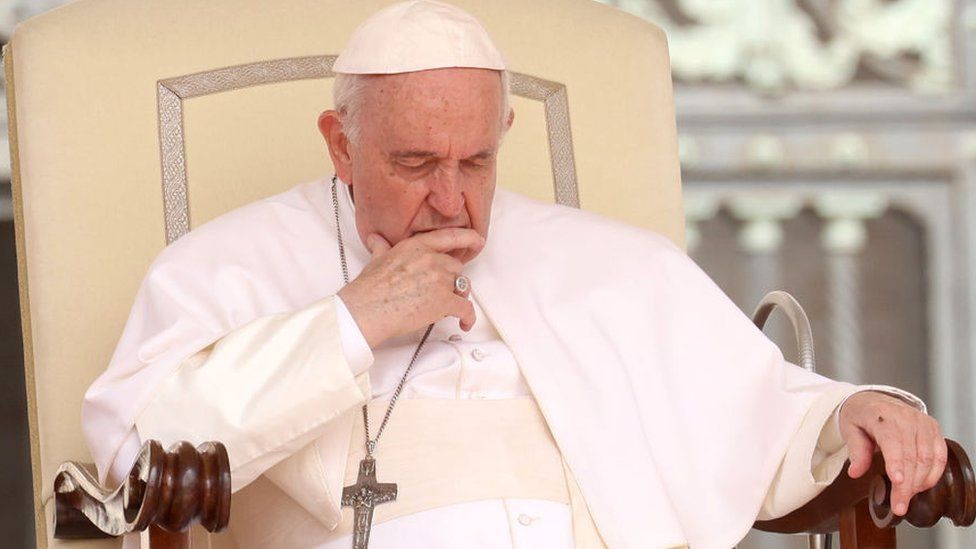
(445, 191)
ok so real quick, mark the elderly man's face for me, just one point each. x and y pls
(426, 153)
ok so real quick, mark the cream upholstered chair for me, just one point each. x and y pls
(133, 121)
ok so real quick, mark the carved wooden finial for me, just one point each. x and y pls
(863, 504)
(170, 489)
(953, 497)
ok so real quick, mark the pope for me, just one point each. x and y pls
(402, 355)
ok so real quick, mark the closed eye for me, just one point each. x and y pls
(475, 163)
(413, 162)
(480, 160)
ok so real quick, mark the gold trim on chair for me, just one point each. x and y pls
(173, 156)
(171, 93)
(554, 98)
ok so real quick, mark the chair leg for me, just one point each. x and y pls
(858, 531)
(162, 539)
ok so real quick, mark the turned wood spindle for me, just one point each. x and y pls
(165, 490)
(860, 508)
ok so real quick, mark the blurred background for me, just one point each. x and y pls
(828, 148)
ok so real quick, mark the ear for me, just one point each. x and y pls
(330, 126)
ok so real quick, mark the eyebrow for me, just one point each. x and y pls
(418, 153)
(482, 155)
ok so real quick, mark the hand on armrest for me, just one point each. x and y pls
(910, 441)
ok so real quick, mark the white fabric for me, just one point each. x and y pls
(354, 346)
(418, 35)
(492, 524)
(455, 365)
(655, 387)
(487, 524)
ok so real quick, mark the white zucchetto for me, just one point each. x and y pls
(418, 35)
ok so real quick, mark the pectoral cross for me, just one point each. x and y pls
(362, 497)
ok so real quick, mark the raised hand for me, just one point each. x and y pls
(910, 441)
(410, 285)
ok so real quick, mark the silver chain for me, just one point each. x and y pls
(371, 443)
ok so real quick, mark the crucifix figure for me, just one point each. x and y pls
(362, 497)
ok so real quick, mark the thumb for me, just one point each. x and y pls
(861, 450)
(377, 244)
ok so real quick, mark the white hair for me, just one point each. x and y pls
(348, 93)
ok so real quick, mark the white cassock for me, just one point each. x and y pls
(679, 420)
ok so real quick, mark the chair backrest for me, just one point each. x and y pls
(134, 120)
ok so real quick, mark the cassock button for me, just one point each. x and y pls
(478, 355)
(455, 338)
(525, 520)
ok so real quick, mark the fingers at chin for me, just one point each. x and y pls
(462, 254)
(376, 244)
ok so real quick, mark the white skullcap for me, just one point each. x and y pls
(418, 35)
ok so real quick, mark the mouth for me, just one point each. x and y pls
(422, 231)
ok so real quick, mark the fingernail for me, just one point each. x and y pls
(897, 477)
(901, 509)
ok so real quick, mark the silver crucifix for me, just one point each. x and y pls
(362, 497)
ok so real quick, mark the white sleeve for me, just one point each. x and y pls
(265, 390)
(354, 345)
(817, 453)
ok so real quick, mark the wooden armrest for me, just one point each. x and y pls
(954, 497)
(166, 489)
